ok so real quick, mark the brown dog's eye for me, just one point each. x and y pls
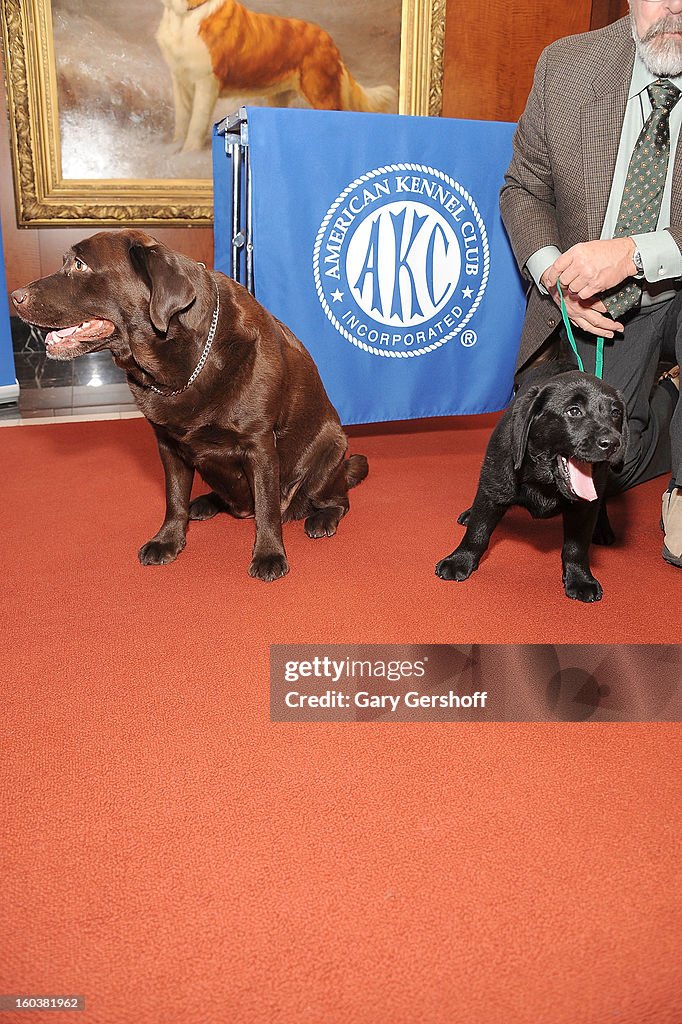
(615, 414)
(574, 410)
(79, 265)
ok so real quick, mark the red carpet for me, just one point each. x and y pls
(174, 857)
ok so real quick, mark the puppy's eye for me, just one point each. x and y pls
(574, 410)
(79, 265)
(615, 414)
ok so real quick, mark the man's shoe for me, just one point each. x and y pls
(671, 524)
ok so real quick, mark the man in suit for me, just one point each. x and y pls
(593, 200)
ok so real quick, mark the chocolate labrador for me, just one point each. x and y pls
(550, 452)
(230, 392)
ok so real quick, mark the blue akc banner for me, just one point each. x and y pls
(9, 389)
(377, 239)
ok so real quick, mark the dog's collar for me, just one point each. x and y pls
(204, 355)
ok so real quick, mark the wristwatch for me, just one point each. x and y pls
(637, 260)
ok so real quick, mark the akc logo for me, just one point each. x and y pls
(401, 261)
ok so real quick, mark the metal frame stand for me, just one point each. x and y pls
(235, 130)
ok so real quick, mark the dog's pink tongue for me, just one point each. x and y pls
(581, 479)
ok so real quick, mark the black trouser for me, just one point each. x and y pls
(631, 362)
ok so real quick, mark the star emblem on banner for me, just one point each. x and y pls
(467, 293)
(337, 295)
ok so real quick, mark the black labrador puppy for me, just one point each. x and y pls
(550, 453)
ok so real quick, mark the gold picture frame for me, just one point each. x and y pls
(45, 198)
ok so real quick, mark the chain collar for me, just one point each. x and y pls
(204, 355)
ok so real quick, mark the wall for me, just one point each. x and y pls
(489, 62)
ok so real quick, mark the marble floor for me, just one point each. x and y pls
(91, 387)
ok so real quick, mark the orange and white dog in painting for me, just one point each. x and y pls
(219, 48)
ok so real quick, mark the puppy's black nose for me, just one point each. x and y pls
(608, 444)
(19, 296)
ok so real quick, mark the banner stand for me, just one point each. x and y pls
(377, 239)
(9, 386)
(9, 393)
(235, 131)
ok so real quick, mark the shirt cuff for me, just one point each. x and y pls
(661, 257)
(538, 263)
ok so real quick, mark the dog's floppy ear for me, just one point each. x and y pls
(526, 408)
(171, 289)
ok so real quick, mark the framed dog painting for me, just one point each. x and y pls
(112, 101)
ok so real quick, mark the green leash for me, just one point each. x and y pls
(599, 357)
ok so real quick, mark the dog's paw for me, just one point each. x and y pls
(457, 566)
(463, 517)
(205, 507)
(322, 523)
(583, 589)
(269, 567)
(157, 552)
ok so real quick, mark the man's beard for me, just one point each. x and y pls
(660, 53)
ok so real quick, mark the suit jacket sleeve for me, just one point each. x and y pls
(527, 199)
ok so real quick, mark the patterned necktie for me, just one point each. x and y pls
(644, 184)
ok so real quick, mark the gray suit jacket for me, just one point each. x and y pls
(565, 147)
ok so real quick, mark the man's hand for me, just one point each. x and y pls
(591, 268)
(591, 316)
